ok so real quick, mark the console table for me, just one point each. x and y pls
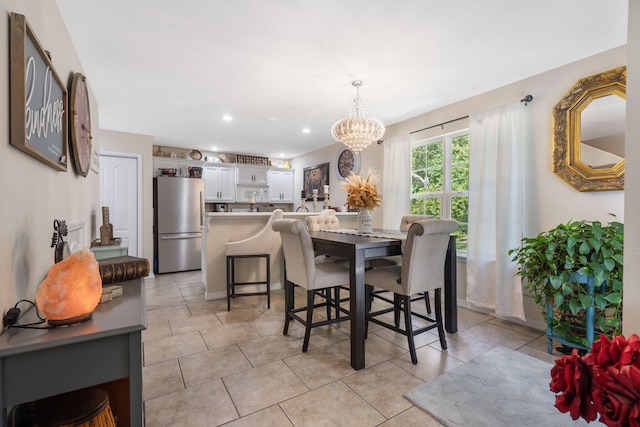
(38, 363)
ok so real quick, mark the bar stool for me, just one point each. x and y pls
(257, 246)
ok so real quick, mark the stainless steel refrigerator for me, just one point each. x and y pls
(178, 208)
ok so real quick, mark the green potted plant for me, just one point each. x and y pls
(556, 266)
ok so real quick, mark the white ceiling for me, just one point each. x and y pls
(172, 69)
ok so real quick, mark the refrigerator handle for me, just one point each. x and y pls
(201, 208)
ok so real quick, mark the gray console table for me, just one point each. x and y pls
(38, 363)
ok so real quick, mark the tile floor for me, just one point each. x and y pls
(204, 366)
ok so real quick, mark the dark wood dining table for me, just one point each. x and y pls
(359, 248)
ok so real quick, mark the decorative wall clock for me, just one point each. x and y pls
(80, 124)
(347, 162)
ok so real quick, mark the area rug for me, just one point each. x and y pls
(499, 388)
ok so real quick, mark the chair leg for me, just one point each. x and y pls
(327, 295)
(397, 303)
(441, 334)
(337, 306)
(368, 292)
(368, 301)
(268, 258)
(307, 330)
(289, 303)
(229, 281)
(409, 328)
(427, 303)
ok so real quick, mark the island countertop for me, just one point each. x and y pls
(268, 214)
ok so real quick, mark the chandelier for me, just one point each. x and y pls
(357, 131)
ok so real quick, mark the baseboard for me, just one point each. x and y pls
(533, 324)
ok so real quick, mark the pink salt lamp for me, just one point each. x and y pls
(71, 290)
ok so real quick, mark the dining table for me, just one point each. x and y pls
(360, 247)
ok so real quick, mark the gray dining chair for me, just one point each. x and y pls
(302, 269)
(327, 220)
(421, 270)
(405, 223)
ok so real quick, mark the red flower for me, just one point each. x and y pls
(630, 352)
(616, 395)
(605, 381)
(606, 352)
(571, 378)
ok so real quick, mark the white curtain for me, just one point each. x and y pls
(396, 180)
(496, 181)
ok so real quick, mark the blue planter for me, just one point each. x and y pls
(589, 282)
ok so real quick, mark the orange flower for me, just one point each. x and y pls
(362, 193)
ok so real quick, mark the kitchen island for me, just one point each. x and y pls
(222, 227)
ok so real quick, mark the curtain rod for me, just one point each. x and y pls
(527, 99)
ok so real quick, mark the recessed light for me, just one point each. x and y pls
(306, 130)
(227, 118)
(214, 148)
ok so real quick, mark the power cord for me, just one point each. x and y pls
(10, 318)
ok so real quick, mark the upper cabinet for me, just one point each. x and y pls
(219, 183)
(252, 174)
(281, 185)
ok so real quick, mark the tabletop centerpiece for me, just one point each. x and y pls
(363, 195)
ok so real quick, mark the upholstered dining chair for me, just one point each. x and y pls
(302, 269)
(421, 270)
(258, 246)
(327, 220)
(405, 223)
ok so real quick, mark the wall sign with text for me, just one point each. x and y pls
(38, 98)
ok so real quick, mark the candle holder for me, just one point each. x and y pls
(315, 203)
(326, 201)
(303, 206)
(251, 207)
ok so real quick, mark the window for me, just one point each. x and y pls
(440, 180)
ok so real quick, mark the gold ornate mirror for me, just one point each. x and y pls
(588, 132)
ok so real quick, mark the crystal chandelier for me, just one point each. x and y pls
(357, 131)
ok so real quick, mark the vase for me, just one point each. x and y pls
(364, 220)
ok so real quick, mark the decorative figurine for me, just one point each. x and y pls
(57, 240)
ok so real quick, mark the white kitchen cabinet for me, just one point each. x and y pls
(219, 183)
(281, 186)
(252, 174)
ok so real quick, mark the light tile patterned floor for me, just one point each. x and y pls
(204, 366)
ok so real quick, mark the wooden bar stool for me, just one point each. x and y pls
(257, 246)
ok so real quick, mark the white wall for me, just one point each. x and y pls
(550, 200)
(32, 193)
(369, 158)
(631, 319)
(111, 141)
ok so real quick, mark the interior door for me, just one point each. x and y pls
(119, 191)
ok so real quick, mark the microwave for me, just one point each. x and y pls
(242, 194)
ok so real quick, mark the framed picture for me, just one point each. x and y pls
(315, 177)
(38, 98)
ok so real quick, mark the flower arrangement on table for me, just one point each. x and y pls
(362, 192)
(605, 382)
